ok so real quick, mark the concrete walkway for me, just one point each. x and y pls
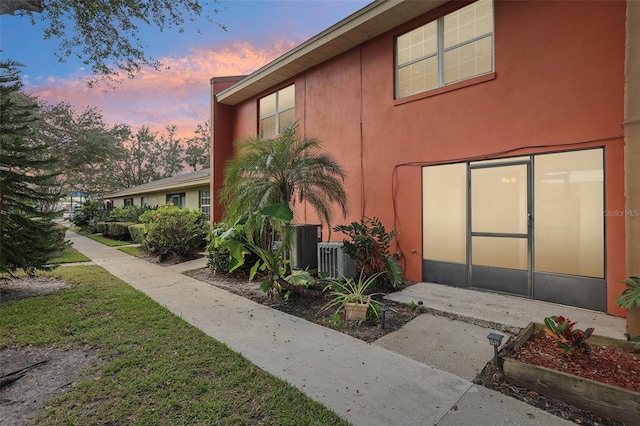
(366, 384)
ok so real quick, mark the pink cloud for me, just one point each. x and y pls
(178, 94)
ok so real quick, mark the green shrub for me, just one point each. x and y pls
(218, 257)
(90, 213)
(128, 214)
(369, 247)
(137, 232)
(119, 230)
(174, 230)
(100, 227)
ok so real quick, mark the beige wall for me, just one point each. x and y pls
(632, 139)
(192, 197)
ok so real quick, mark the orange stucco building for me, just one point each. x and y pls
(492, 135)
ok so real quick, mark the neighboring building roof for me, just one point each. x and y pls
(374, 19)
(186, 180)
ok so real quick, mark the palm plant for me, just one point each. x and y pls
(286, 169)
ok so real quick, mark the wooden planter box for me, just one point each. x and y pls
(355, 311)
(633, 321)
(600, 398)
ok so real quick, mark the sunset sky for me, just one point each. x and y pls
(258, 31)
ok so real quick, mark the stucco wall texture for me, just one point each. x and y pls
(558, 85)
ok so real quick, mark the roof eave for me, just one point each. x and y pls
(367, 23)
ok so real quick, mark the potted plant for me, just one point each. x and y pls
(630, 300)
(353, 296)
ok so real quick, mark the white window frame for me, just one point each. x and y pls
(205, 203)
(440, 53)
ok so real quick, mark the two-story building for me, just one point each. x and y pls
(492, 135)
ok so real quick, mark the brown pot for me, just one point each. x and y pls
(633, 321)
(355, 311)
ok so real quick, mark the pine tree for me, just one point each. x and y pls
(28, 234)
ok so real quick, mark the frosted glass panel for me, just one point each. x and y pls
(268, 105)
(468, 60)
(569, 205)
(268, 127)
(499, 252)
(286, 119)
(286, 98)
(418, 43)
(418, 77)
(445, 212)
(499, 199)
(468, 23)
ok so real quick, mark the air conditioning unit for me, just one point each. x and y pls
(333, 261)
(304, 246)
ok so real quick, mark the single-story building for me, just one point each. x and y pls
(501, 139)
(190, 190)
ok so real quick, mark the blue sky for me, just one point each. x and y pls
(258, 31)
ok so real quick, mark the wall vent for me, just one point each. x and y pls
(333, 261)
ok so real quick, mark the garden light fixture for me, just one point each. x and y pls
(383, 309)
(495, 339)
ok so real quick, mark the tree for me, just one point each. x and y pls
(136, 162)
(170, 152)
(142, 158)
(198, 147)
(104, 33)
(85, 145)
(28, 233)
(285, 169)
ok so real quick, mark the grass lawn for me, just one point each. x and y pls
(133, 251)
(157, 370)
(69, 255)
(107, 241)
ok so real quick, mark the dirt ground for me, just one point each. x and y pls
(30, 376)
(50, 371)
(16, 289)
(47, 372)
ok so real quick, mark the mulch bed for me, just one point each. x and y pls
(309, 308)
(603, 364)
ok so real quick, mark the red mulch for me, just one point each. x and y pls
(604, 364)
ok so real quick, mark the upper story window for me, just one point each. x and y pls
(277, 111)
(454, 47)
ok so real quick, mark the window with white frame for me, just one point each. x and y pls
(454, 47)
(144, 201)
(277, 111)
(205, 204)
(128, 202)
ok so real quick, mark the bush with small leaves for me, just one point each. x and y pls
(137, 232)
(218, 256)
(101, 227)
(173, 230)
(128, 213)
(90, 213)
(368, 245)
(118, 230)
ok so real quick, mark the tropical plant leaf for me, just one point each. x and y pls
(278, 211)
